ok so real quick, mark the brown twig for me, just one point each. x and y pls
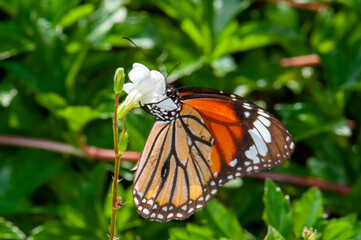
(301, 61)
(310, 6)
(108, 155)
(302, 181)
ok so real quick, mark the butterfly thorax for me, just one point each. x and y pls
(161, 114)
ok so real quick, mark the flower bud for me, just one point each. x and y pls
(119, 80)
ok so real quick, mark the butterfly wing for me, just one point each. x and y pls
(247, 138)
(173, 178)
(218, 136)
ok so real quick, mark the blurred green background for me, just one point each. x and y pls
(57, 61)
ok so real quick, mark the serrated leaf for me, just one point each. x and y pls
(307, 211)
(277, 212)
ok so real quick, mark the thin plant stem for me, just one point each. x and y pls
(116, 168)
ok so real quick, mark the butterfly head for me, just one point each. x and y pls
(161, 110)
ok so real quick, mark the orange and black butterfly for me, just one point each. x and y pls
(211, 138)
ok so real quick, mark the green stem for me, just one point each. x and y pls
(116, 169)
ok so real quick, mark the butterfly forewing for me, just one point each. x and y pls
(247, 138)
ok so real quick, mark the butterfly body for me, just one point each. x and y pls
(210, 138)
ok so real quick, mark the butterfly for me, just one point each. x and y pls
(210, 138)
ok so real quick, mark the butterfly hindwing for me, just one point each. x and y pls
(173, 178)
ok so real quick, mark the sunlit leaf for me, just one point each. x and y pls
(277, 211)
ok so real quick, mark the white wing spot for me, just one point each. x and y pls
(288, 138)
(150, 202)
(239, 168)
(230, 177)
(214, 191)
(220, 181)
(164, 208)
(179, 215)
(233, 163)
(263, 113)
(136, 201)
(213, 183)
(292, 145)
(140, 208)
(170, 208)
(144, 200)
(152, 215)
(238, 174)
(249, 169)
(160, 216)
(263, 131)
(155, 206)
(170, 215)
(207, 197)
(252, 153)
(199, 206)
(184, 208)
(247, 163)
(146, 211)
(200, 199)
(190, 210)
(265, 121)
(247, 114)
(215, 174)
(257, 139)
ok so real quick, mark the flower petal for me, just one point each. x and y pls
(139, 73)
(159, 80)
(128, 87)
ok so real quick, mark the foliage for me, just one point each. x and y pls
(57, 64)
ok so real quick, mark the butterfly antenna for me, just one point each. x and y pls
(141, 52)
(172, 69)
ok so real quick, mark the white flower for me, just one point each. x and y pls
(146, 87)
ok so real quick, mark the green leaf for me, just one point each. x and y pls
(78, 116)
(58, 231)
(277, 212)
(103, 19)
(75, 14)
(273, 234)
(9, 231)
(192, 231)
(20, 176)
(307, 211)
(224, 220)
(343, 228)
(51, 100)
(13, 40)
